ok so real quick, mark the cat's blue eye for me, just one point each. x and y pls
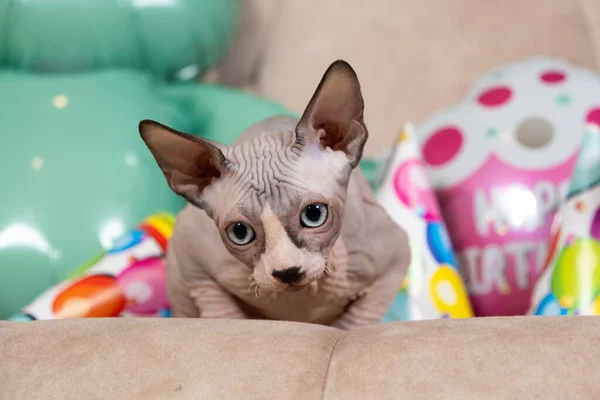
(314, 215)
(241, 233)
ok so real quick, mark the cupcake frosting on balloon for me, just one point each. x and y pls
(528, 115)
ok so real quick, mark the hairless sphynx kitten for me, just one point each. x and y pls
(282, 225)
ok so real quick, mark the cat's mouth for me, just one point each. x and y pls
(279, 281)
(294, 289)
(306, 282)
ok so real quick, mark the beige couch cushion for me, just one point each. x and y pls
(495, 358)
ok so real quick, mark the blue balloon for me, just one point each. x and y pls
(587, 168)
(439, 243)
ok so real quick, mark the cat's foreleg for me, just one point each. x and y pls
(372, 303)
(198, 296)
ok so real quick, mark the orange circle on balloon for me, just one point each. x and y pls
(95, 296)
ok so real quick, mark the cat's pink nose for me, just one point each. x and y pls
(289, 275)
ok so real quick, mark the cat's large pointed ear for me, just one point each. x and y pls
(334, 115)
(188, 162)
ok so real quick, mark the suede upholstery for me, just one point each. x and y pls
(485, 358)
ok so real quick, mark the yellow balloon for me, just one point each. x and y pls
(448, 293)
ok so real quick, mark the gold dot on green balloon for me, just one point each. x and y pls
(37, 163)
(60, 101)
(563, 100)
(491, 132)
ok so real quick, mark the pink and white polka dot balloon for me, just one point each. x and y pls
(500, 162)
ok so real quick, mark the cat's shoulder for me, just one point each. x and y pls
(192, 221)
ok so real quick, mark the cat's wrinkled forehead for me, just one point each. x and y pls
(269, 171)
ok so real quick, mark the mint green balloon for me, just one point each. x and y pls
(221, 114)
(74, 170)
(173, 39)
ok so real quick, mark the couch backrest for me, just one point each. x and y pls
(491, 358)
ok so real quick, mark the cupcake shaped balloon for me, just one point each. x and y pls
(500, 162)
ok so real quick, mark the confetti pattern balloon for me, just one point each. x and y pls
(596, 306)
(554, 240)
(94, 296)
(21, 317)
(595, 225)
(400, 310)
(144, 286)
(587, 168)
(576, 277)
(429, 290)
(439, 243)
(413, 189)
(128, 280)
(549, 307)
(571, 281)
(449, 294)
(127, 241)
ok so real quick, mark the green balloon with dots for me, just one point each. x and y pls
(576, 277)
